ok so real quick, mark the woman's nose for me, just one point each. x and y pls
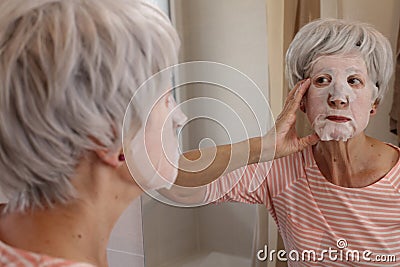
(338, 103)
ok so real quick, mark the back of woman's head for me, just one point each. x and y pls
(67, 72)
(326, 37)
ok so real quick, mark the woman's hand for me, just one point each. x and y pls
(287, 141)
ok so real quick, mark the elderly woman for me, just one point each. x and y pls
(67, 72)
(337, 189)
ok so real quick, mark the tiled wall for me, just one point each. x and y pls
(227, 228)
(173, 235)
(170, 233)
(125, 248)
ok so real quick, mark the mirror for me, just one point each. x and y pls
(231, 32)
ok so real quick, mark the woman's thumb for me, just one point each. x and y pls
(309, 140)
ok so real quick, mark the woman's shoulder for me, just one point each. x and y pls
(11, 256)
(302, 157)
(293, 164)
(391, 155)
(384, 160)
(387, 155)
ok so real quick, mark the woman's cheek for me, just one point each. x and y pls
(315, 104)
(153, 136)
(361, 109)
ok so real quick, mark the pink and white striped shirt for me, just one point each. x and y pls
(313, 214)
(14, 257)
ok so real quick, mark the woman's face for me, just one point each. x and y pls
(340, 97)
(155, 148)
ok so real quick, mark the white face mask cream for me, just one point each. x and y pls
(340, 97)
(155, 148)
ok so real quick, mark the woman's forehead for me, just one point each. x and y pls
(349, 63)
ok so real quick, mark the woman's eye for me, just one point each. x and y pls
(322, 80)
(354, 81)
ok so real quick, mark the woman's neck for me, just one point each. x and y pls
(80, 230)
(352, 163)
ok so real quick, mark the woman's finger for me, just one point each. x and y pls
(298, 95)
(291, 103)
(311, 139)
(295, 104)
(293, 91)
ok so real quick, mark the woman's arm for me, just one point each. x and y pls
(201, 167)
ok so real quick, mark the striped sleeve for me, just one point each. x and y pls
(256, 183)
(14, 257)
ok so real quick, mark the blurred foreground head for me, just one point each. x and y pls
(68, 70)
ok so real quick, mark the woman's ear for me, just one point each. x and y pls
(112, 159)
(374, 108)
(303, 104)
(373, 111)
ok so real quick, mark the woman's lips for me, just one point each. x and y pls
(338, 119)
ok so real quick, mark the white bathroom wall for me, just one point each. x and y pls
(162, 4)
(233, 33)
(125, 247)
(169, 233)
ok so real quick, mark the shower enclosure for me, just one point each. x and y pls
(232, 32)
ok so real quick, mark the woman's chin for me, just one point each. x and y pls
(332, 131)
(335, 135)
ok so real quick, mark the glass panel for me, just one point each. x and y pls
(233, 33)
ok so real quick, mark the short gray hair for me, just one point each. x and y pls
(67, 72)
(335, 36)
